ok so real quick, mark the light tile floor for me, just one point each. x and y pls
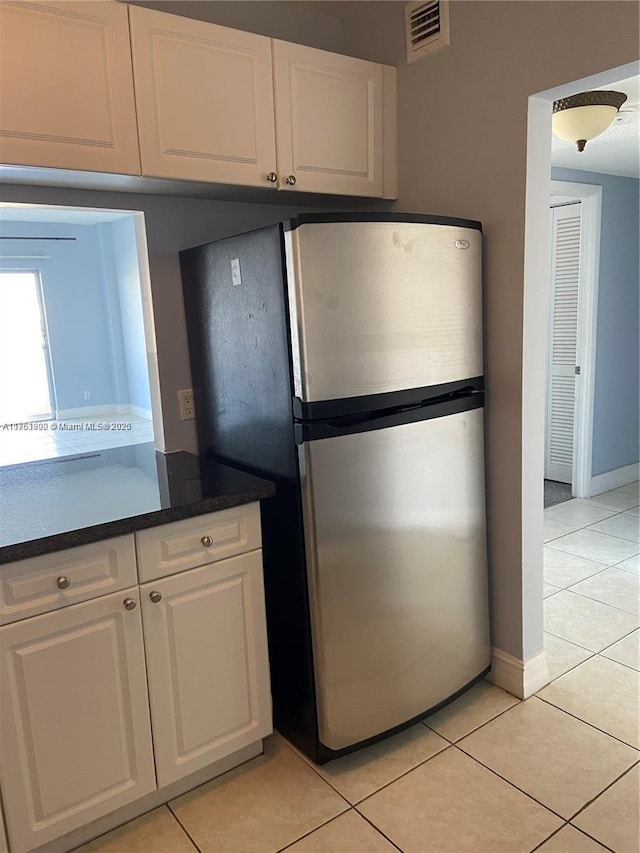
(557, 773)
(59, 438)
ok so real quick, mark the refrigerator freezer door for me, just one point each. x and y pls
(395, 538)
(383, 306)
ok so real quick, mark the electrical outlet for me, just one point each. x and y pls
(187, 404)
(87, 395)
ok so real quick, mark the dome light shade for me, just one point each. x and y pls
(586, 115)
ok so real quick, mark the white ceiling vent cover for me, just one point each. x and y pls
(427, 27)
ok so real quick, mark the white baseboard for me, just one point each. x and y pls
(139, 412)
(106, 411)
(522, 678)
(614, 479)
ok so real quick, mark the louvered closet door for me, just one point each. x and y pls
(563, 340)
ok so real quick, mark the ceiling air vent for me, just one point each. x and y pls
(427, 27)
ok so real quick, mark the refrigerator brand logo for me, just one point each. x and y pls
(462, 244)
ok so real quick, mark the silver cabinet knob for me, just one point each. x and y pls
(63, 582)
(207, 541)
(291, 180)
(155, 596)
(130, 603)
(272, 177)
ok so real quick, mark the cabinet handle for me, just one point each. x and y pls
(155, 596)
(291, 180)
(130, 603)
(207, 541)
(63, 582)
(272, 177)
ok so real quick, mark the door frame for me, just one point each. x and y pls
(590, 197)
(537, 262)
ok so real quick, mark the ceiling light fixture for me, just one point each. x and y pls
(586, 115)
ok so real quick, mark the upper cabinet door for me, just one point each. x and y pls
(66, 98)
(205, 100)
(329, 121)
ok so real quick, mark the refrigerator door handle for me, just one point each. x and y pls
(315, 430)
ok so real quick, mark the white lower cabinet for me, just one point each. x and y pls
(207, 663)
(83, 687)
(75, 739)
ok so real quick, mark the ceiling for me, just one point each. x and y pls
(617, 150)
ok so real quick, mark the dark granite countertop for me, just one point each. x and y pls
(49, 506)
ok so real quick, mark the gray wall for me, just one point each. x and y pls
(290, 21)
(462, 137)
(616, 415)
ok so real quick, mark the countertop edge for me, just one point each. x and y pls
(123, 526)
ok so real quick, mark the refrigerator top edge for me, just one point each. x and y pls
(419, 218)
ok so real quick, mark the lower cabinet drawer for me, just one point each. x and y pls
(193, 542)
(41, 584)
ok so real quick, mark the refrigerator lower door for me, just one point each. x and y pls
(396, 558)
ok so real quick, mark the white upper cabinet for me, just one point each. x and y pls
(330, 121)
(66, 97)
(204, 100)
(212, 104)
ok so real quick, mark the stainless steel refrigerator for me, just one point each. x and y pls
(340, 355)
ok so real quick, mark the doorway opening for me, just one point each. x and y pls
(26, 384)
(538, 252)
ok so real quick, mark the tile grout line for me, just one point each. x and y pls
(382, 787)
(573, 642)
(599, 600)
(566, 672)
(581, 831)
(513, 785)
(315, 829)
(592, 801)
(548, 808)
(619, 662)
(486, 722)
(377, 829)
(587, 723)
(599, 651)
(182, 826)
(549, 837)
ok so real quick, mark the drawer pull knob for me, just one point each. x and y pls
(155, 596)
(291, 180)
(63, 582)
(130, 603)
(272, 177)
(207, 541)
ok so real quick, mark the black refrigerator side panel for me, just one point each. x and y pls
(288, 619)
(238, 342)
